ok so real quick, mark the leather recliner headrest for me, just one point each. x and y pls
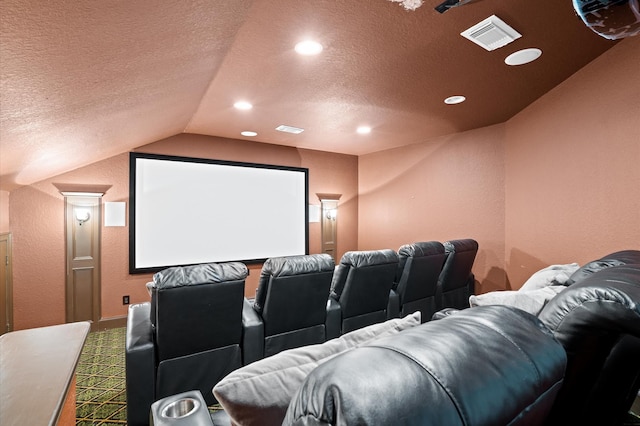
(297, 265)
(458, 246)
(427, 248)
(206, 273)
(360, 259)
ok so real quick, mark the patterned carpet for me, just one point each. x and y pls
(100, 380)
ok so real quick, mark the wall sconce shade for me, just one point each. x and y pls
(82, 215)
(332, 214)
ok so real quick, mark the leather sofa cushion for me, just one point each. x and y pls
(259, 393)
(490, 365)
(606, 302)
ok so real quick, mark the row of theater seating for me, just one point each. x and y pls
(198, 326)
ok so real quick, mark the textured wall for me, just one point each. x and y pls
(4, 211)
(37, 226)
(449, 188)
(573, 168)
(37, 222)
(558, 183)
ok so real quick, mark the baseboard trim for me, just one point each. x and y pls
(112, 322)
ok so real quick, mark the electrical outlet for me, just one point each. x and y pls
(125, 300)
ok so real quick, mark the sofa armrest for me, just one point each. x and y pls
(252, 334)
(443, 313)
(393, 307)
(334, 319)
(471, 284)
(140, 364)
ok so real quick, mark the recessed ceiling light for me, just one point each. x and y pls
(452, 100)
(244, 105)
(308, 47)
(248, 133)
(363, 130)
(523, 56)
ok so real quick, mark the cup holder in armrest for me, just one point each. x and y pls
(188, 408)
(180, 408)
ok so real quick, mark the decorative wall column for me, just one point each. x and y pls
(329, 223)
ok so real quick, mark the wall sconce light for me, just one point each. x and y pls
(332, 214)
(82, 215)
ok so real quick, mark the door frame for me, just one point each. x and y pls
(7, 323)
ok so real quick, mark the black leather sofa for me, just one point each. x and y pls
(576, 363)
(597, 321)
(491, 366)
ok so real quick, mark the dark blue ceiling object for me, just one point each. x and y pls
(612, 19)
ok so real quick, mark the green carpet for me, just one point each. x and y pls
(100, 380)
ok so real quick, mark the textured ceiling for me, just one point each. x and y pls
(83, 80)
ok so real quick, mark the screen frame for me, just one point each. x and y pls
(134, 156)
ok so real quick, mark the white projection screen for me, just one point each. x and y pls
(186, 211)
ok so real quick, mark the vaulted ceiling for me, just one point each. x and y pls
(84, 80)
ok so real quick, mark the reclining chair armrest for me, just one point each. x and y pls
(393, 307)
(444, 313)
(140, 364)
(252, 334)
(471, 284)
(333, 324)
(199, 416)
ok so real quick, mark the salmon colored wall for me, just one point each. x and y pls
(37, 226)
(4, 211)
(558, 183)
(573, 168)
(448, 188)
(37, 222)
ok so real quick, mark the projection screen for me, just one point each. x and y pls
(188, 210)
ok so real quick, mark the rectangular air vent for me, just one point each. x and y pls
(491, 33)
(289, 129)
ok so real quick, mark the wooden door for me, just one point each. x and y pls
(83, 259)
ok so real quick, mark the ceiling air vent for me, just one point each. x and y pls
(289, 129)
(491, 33)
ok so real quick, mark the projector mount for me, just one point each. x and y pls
(448, 4)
